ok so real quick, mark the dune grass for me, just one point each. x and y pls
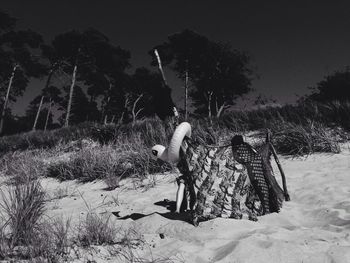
(22, 206)
(113, 152)
(91, 151)
(108, 162)
(27, 234)
(296, 139)
(153, 130)
(96, 230)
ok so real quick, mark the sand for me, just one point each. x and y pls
(313, 227)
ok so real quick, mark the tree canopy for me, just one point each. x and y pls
(100, 67)
(19, 48)
(334, 87)
(150, 84)
(218, 73)
(90, 75)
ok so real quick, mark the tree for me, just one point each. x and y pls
(94, 61)
(66, 51)
(147, 90)
(47, 89)
(106, 78)
(81, 108)
(49, 97)
(115, 99)
(165, 105)
(31, 115)
(18, 62)
(217, 73)
(334, 87)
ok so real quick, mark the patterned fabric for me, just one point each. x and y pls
(219, 186)
(245, 155)
(261, 174)
(276, 194)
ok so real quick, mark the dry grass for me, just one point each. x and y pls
(3, 240)
(48, 139)
(21, 167)
(293, 139)
(108, 162)
(154, 131)
(23, 206)
(49, 243)
(124, 151)
(128, 245)
(24, 231)
(96, 230)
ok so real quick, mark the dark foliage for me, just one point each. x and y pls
(335, 87)
(218, 73)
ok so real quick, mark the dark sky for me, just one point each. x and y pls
(293, 44)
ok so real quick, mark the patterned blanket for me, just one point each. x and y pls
(218, 185)
(235, 182)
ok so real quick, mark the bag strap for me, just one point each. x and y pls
(284, 181)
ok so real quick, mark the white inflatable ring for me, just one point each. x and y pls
(159, 152)
(173, 151)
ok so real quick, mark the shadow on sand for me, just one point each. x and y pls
(170, 205)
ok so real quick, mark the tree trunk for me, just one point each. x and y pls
(6, 99)
(186, 93)
(112, 120)
(120, 121)
(210, 94)
(38, 113)
(160, 67)
(48, 115)
(126, 108)
(220, 110)
(69, 106)
(107, 102)
(41, 101)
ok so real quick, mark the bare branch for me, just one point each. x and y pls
(134, 115)
(138, 112)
